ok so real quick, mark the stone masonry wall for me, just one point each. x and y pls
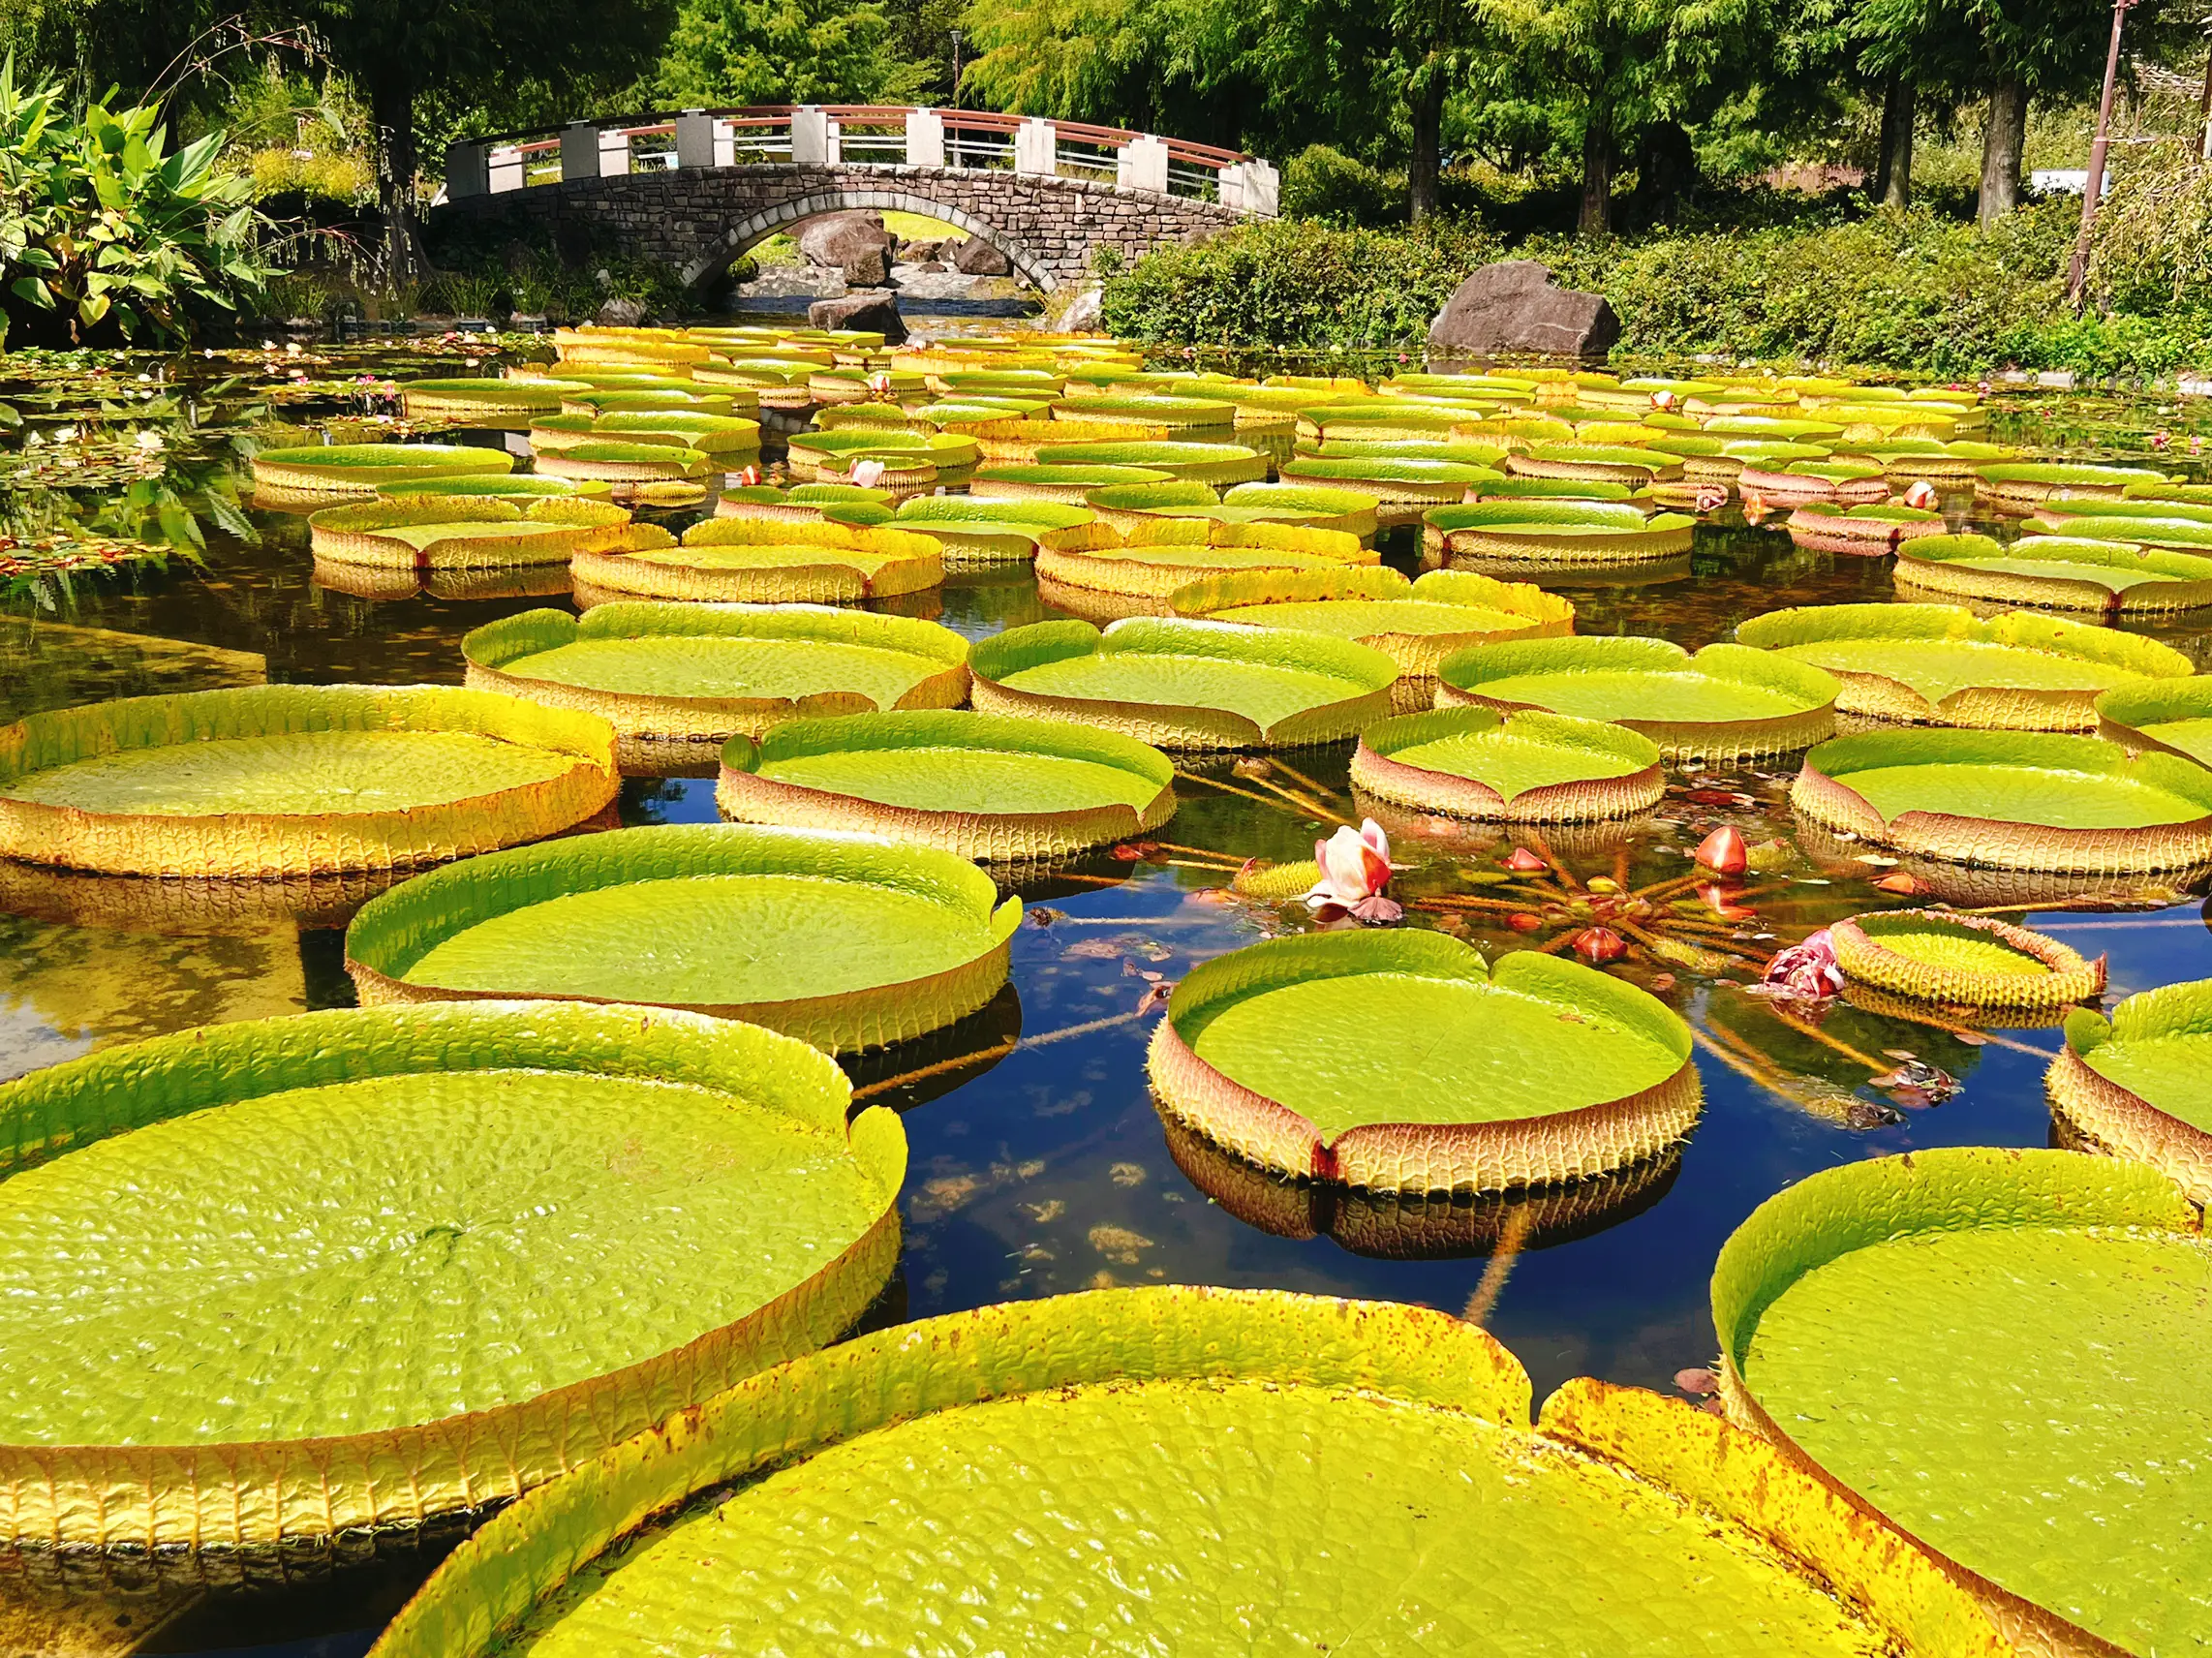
(699, 220)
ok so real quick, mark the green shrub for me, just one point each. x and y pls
(1323, 183)
(343, 177)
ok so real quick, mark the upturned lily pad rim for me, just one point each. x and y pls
(492, 1582)
(1865, 954)
(395, 930)
(271, 843)
(1208, 598)
(1636, 784)
(1958, 563)
(287, 1493)
(2117, 1118)
(1490, 1155)
(1835, 1211)
(744, 795)
(2125, 711)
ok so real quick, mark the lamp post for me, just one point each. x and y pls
(2078, 275)
(955, 69)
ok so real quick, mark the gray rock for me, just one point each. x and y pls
(877, 311)
(978, 257)
(1081, 316)
(1514, 307)
(921, 253)
(836, 238)
(619, 314)
(867, 269)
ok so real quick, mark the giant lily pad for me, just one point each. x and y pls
(1067, 485)
(1380, 420)
(1801, 482)
(2001, 1354)
(2172, 715)
(1122, 507)
(2057, 517)
(759, 561)
(1171, 413)
(1186, 685)
(2184, 535)
(517, 487)
(1163, 555)
(2057, 573)
(867, 1464)
(912, 461)
(726, 437)
(1725, 702)
(611, 461)
(678, 681)
(1605, 462)
(975, 533)
(807, 504)
(1315, 506)
(1554, 531)
(1398, 1062)
(294, 780)
(976, 784)
(1208, 463)
(359, 469)
(205, 1377)
(1519, 768)
(464, 533)
(2021, 486)
(1967, 963)
(1867, 531)
(1404, 488)
(2138, 1084)
(842, 940)
(1937, 665)
(1418, 623)
(2011, 800)
(497, 399)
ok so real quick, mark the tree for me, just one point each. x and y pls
(403, 54)
(783, 51)
(1625, 66)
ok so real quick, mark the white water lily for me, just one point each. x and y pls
(1355, 870)
(867, 474)
(150, 442)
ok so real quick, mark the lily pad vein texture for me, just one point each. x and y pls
(1400, 1062)
(2001, 1353)
(1185, 1470)
(844, 940)
(273, 1281)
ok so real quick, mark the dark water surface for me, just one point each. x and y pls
(1038, 1164)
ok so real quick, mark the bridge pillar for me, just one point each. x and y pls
(1253, 187)
(814, 138)
(1142, 165)
(508, 169)
(579, 152)
(1036, 148)
(614, 153)
(695, 134)
(925, 138)
(468, 170)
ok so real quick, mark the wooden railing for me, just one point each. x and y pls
(861, 135)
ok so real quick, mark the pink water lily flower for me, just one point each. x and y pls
(1806, 970)
(867, 474)
(880, 383)
(1663, 399)
(1355, 870)
(1922, 495)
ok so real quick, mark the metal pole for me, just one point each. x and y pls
(2077, 277)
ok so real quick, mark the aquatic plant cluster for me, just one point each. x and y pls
(577, 1236)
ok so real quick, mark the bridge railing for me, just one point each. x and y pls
(862, 134)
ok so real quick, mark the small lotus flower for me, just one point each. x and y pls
(150, 442)
(1806, 970)
(65, 434)
(1661, 400)
(1355, 872)
(880, 383)
(1711, 497)
(1598, 945)
(1724, 852)
(2160, 437)
(748, 476)
(1924, 495)
(1754, 504)
(2196, 443)
(867, 474)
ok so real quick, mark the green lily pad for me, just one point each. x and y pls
(495, 486)
(1394, 482)
(1617, 463)
(476, 1172)
(842, 940)
(1724, 700)
(1554, 531)
(2058, 516)
(1551, 489)
(1859, 1312)
(1069, 485)
(978, 533)
(1398, 1061)
(359, 468)
(2173, 716)
(2011, 800)
(2181, 534)
(423, 397)
(2059, 572)
(1461, 451)
(1176, 412)
(1938, 663)
(1524, 768)
(2032, 483)
(280, 780)
(615, 462)
(732, 559)
(726, 437)
(464, 533)
(1208, 463)
(2137, 1084)
(673, 677)
(1183, 683)
(980, 785)
(1482, 1533)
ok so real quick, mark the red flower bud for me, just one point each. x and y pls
(1902, 883)
(1724, 852)
(1525, 861)
(1599, 945)
(1523, 922)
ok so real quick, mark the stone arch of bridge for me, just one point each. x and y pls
(758, 226)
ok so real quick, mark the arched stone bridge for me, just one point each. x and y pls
(695, 191)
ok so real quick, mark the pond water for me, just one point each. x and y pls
(1039, 1163)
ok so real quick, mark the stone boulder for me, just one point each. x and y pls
(836, 238)
(868, 269)
(876, 311)
(976, 256)
(619, 314)
(921, 253)
(1513, 307)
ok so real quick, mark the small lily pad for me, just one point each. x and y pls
(1529, 767)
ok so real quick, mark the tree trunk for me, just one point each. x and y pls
(1424, 169)
(391, 112)
(1596, 216)
(2004, 139)
(2204, 109)
(1893, 173)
